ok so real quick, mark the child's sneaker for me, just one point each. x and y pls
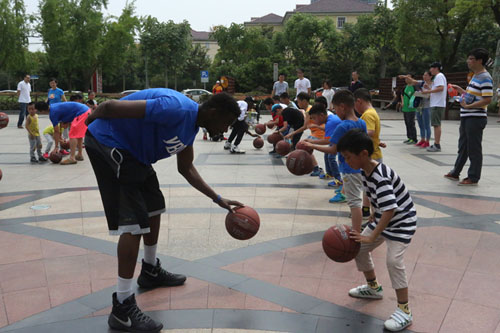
(365, 291)
(316, 172)
(33, 160)
(325, 176)
(399, 321)
(42, 159)
(338, 198)
(420, 143)
(64, 152)
(335, 182)
(227, 145)
(46, 155)
(339, 190)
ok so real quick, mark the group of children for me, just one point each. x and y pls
(363, 181)
(67, 121)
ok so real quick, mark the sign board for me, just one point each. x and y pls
(275, 72)
(204, 76)
(34, 77)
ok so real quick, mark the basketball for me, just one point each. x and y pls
(302, 145)
(243, 223)
(260, 129)
(258, 143)
(283, 147)
(64, 145)
(1, 174)
(337, 244)
(274, 138)
(452, 92)
(55, 157)
(4, 120)
(270, 126)
(299, 162)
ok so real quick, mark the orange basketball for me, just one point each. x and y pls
(243, 223)
(302, 145)
(260, 129)
(283, 147)
(55, 157)
(299, 162)
(270, 126)
(258, 143)
(4, 120)
(274, 138)
(338, 245)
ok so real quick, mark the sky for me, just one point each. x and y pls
(201, 14)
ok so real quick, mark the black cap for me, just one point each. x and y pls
(436, 64)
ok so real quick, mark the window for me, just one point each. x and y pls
(340, 22)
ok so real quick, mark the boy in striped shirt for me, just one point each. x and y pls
(395, 222)
(473, 118)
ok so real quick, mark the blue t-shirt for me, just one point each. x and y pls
(332, 121)
(339, 132)
(54, 95)
(66, 112)
(168, 126)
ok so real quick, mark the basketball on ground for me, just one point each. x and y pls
(64, 144)
(283, 147)
(4, 120)
(270, 126)
(299, 162)
(302, 145)
(243, 223)
(274, 138)
(260, 129)
(55, 157)
(258, 143)
(337, 244)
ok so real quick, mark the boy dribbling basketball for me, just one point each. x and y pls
(395, 222)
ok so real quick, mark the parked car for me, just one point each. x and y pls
(128, 92)
(195, 94)
(8, 91)
(72, 92)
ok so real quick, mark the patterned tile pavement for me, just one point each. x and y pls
(58, 263)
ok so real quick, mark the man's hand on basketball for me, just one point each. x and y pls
(226, 204)
(356, 236)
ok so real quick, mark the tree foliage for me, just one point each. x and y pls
(13, 35)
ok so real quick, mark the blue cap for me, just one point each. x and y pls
(276, 107)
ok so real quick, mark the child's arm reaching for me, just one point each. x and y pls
(381, 225)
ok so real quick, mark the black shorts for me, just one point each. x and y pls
(130, 190)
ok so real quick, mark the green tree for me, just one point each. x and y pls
(13, 36)
(72, 33)
(433, 25)
(166, 45)
(118, 45)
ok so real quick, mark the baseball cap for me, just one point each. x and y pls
(276, 107)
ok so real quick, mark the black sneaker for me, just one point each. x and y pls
(33, 160)
(273, 152)
(42, 159)
(155, 276)
(128, 317)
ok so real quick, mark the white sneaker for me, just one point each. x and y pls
(399, 321)
(236, 150)
(227, 145)
(365, 291)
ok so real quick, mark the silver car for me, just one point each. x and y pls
(195, 94)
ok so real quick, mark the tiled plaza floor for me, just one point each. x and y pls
(58, 263)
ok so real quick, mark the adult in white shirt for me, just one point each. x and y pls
(328, 93)
(438, 94)
(280, 86)
(23, 94)
(302, 84)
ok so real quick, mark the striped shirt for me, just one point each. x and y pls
(386, 191)
(480, 86)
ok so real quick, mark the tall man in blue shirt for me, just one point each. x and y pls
(123, 140)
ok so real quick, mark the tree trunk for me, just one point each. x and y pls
(496, 73)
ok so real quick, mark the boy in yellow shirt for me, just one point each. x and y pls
(48, 134)
(34, 134)
(363, 105)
